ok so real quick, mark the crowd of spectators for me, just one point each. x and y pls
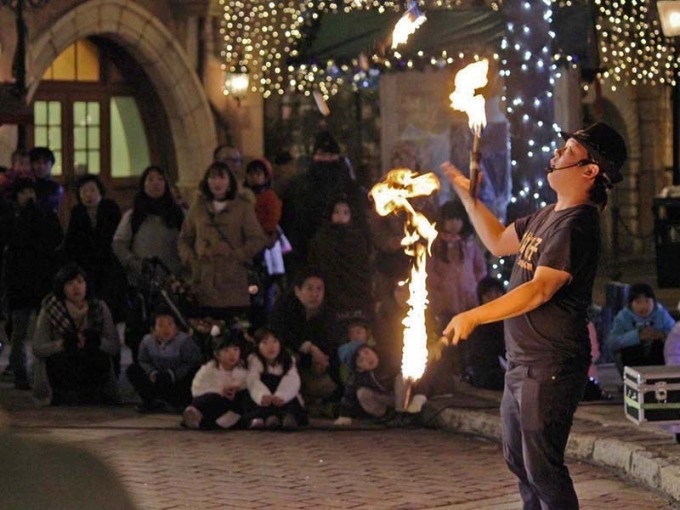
(262, 300)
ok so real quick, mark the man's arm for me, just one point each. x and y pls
(498, 239)
(522, 299)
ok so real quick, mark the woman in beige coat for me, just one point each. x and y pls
(219, 238)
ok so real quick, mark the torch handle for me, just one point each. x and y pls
(475, 157)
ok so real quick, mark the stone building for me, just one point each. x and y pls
(115, 85)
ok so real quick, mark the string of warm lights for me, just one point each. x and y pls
(632, 47)
(264, 37)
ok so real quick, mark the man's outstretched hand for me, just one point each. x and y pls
(460, 327)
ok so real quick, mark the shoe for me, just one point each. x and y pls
(257, 424)
(228, 420)
(272, 422)
(289, 422)
(192, 417)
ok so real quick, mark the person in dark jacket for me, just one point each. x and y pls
(48, 191)
(88, 241)
(341, 251)
(307, 327)
(33, 235)
(481, 354)
(327, 177)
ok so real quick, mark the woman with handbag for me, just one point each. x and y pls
(219, 238)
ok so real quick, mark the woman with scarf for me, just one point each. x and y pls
(219, 239)
(73, 345)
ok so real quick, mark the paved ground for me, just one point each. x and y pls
(167, 467)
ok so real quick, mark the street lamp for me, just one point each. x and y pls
(236, 83)
(669, 14)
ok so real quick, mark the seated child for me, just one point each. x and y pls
(166, 364)
(365, 396)
(273, 386)
(218, 386)
(358, 332)
(482, 353)
(639, 331)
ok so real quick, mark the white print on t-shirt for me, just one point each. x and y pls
(527, 250)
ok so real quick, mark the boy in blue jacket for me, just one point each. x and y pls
(639, 331)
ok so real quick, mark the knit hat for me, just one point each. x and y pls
(261, 163)
(606, 147)
(325, 142)
(348, 353)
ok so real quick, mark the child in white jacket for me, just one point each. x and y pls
(273, 385)
(218, 389)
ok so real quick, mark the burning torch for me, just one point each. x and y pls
(464, 99)
(392, 195)
(407, 24)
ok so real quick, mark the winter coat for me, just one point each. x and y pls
(212, 378)
(30, 262)
(625, 330)
(342, 254)
(289, 385)
(90, 247)
(452, 286)
(220, 280)
(153, 239)
(180, 355)
(294, 329)
(671, 352)
(46, 341)
(268, 210)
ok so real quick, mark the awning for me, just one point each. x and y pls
(344, 35)
(13, 108)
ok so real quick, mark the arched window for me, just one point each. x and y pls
(94, 108)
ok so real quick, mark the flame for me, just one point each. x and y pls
(392, 195)
(463, 97)
(407, 25)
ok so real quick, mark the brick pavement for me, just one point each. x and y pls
(167, 467)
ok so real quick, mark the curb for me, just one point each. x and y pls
(603, 446)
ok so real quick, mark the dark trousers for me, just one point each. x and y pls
(177, 393)
(84, 377)
(214, 405)
(537, 411)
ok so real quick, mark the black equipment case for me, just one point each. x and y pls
(652, 394)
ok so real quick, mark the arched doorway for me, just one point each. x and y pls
(146, 40)
(98, 112)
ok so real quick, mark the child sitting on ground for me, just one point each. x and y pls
(218, 386)
(639, 331)
(482, 353)
(365, 395)
(166, 364)
(273, 386)
(358, 332)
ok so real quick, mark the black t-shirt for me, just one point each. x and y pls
(555, 333)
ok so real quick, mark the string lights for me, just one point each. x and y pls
(265, 36)
(633, 48)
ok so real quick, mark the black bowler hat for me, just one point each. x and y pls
(605, 146)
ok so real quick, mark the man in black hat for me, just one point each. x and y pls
(548, 349)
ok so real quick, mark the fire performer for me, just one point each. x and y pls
(544, 309)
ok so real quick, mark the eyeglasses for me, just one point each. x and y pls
(233, 160)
